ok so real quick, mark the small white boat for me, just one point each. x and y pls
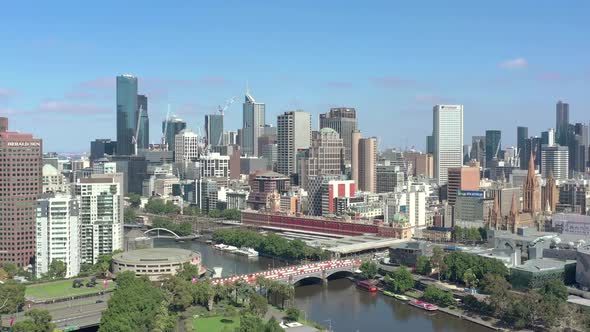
(230, 248)
(248, 252)
(219, 246)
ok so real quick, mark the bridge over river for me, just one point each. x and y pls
(293, 274)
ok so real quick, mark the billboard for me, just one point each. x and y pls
(470, 193)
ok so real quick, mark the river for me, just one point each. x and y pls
(340, 303)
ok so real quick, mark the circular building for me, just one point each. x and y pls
(156, 263)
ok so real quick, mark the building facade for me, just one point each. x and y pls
(555, 160)
(325, 156)
(126, 113)
(214, 129)
(253, 122)
(367, 164)
(186, 146)
(101, 217)
(343, 120)
(143, 137)
(20, 186)
(58, 234)
(461, 178)
(293, 133)
(172, 127)
(448, 140)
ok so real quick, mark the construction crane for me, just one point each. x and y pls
(164, 143)
(497, 149)
(222, 112)
(136, 136)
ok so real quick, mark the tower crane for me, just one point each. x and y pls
(222, 112)
(136, 136)
(497, 149)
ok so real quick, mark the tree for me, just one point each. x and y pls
(129, 216)
(221, 292)
(203, 292)
(435, 295)
(11, 269)
(273, 326)
(57, 269)
(215, 213)
(12, 296)
(188, 271)
(38, 321)
(164, 321)
(368, 269)
(402, 280)
(257, 304)
(423, 266)
(134, 200)
(470, 279)
(293, 314)
(134, 305)
(554, 290)
(231, 214)
(437, 261)
(499, 290)
(250, 323)
(180, 291)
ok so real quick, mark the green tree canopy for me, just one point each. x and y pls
(38, 321)
(401, 280)
(368, 269)
(12, 296)
(438, 296)
(423, 266)
(57, 269)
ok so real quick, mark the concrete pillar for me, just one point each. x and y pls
(324, 278)
(290, 281)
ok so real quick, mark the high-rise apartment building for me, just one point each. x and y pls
(143, 137)
(562, 121)
(448, 139)
(324, 156)
(367, 170)
(214, 129)
(389, 178)
(478, 149)
(253, 122)
(356, 137)
(522, 133)
(20, 186)
(493, 144)
(172, 127)
(293, 133)
(186, 146)
(343, 121)
(126, 113)
(554, 160)
(101, 217)
(58, 233)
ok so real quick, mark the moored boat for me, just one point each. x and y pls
(401, 297)
(366, 285)
(248, 252)
(423, 305)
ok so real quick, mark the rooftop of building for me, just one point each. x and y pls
(543, 264)
(156, 255)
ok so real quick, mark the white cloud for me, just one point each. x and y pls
(518, 63)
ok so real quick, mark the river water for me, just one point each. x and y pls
(340, 303)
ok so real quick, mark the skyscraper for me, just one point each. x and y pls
(253, 122)
(448, 139)
(562, 121)
(171, 127)
(214, 129)
(126, 113)
(367, 173)
(324, 156)
(21, 183)
(143, 138)
(478, 149)
(521, 135)
(293, 133)
(356, 137)
(343, 120)
(554, 160)
(493, 142)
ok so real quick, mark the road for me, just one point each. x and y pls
(80, 312)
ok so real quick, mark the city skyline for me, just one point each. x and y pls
(511, 70)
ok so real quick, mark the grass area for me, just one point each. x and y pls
(216, 323)
(414, 294)
(62, 289)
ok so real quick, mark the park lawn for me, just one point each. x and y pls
(62, 289)
(217, 323)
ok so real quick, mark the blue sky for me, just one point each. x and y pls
(508, 62)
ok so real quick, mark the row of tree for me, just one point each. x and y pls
(270, 244)
(182, 228)
(159, 206)
(469, 234)
(544, 307)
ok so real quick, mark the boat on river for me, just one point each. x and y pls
(366, 285)
(248, 252)
(423, 305)
(394, 295)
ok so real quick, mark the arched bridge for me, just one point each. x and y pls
(293, 274)
(157, 234)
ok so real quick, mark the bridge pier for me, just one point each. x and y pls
(324, 278)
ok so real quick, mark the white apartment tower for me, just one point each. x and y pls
(186, 146)
(293, 133)
(447, 133)
(57, 233)
(100, 217)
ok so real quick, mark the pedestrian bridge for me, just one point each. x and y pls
(164, 233)
(294, 274)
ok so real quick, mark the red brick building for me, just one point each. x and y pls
(20, 185)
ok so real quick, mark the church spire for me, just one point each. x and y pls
(514, 208)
